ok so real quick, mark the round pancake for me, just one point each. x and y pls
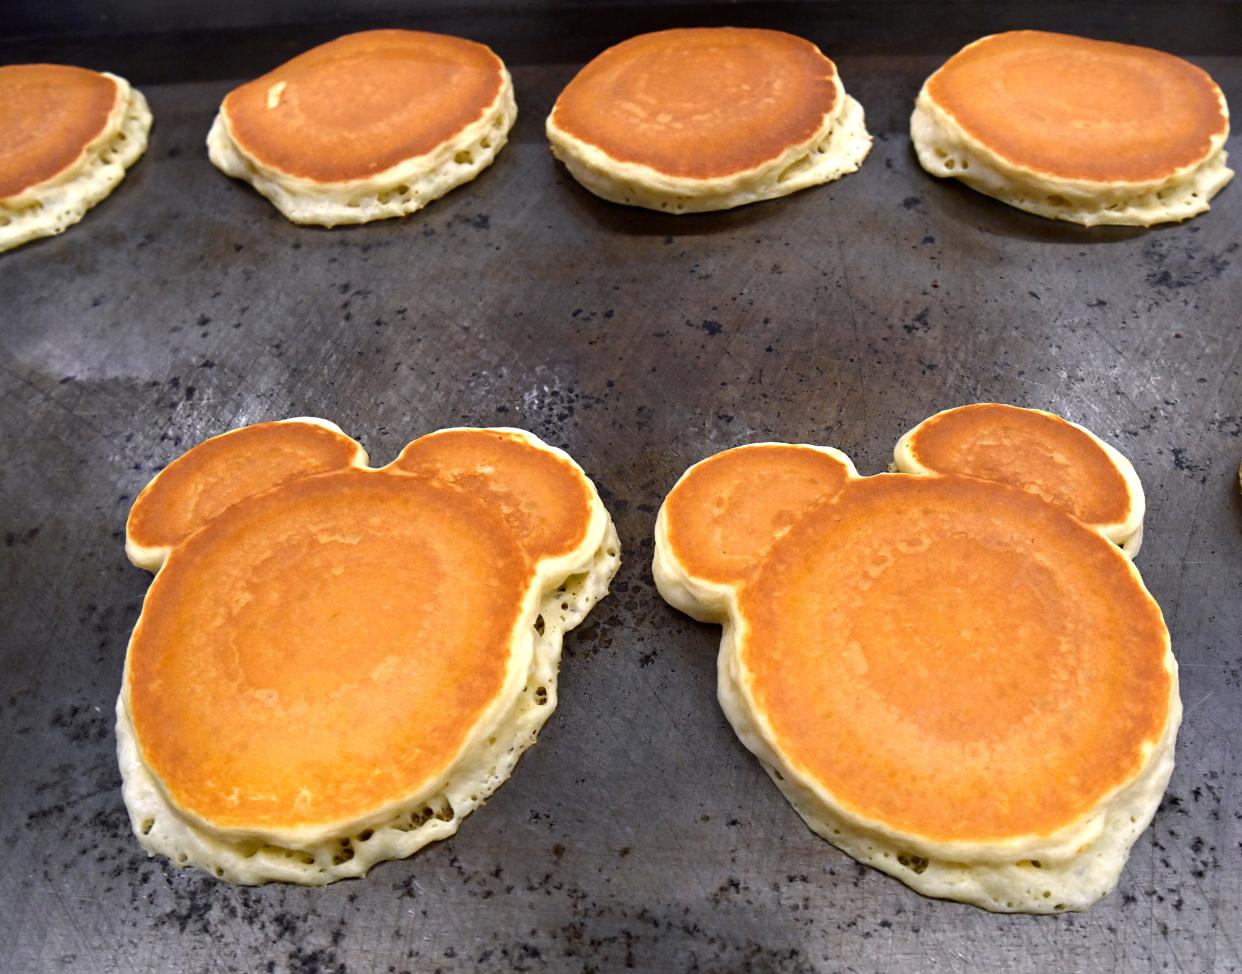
(701, 103)
(283, 650)
(721, 116)
(49, 114)
(368, 126)
(362, 103)
(1076, 129)
(1037, 451)
(1082, 109)
(990, 668)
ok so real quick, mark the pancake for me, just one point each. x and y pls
(951, 677)
(1087, 131)
(707, 119)
(67, 135)
(1039, 452)
(336, 663)
(366, 127)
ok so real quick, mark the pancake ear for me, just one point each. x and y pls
(225, 469)
(725, 512)
(1043, 454)
(543, 495)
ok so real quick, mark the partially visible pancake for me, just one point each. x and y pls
(368, 126)
(67, 135)
(1088, 131)
(707, 119)
(335, 663)
(951, 677)
(1062, 462)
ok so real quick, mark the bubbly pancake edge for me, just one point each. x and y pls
(1067, 872)
(52, 206)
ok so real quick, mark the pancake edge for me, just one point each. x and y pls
(52, 206)
(947, 151)
(836, 149)
(425, 178)
(562, 592)
(1077, 867)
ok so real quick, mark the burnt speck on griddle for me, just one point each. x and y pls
(1184, 463)
(919, 323)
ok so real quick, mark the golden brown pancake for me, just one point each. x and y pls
(282, 654)
(955, 659)
(707, 119)
(722, 518)
(949, 675)
(1030, 449)
(49, 114)
(360, 104)
(336, 663)
(700, 102)
(1080, 108)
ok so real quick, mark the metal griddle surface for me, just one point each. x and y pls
(638, 832)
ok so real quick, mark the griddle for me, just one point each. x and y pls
(638, 833)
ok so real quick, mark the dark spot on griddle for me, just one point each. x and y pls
(918, 323)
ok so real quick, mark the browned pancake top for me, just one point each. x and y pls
(1081, 109)
(1036, 451)
(700, 103)
(954, 658)
(322, 650)
(49, 113)
(362, 103)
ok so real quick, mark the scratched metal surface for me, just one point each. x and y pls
(638, 833)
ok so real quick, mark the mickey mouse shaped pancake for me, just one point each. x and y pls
(953, 673)
(335, 663)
